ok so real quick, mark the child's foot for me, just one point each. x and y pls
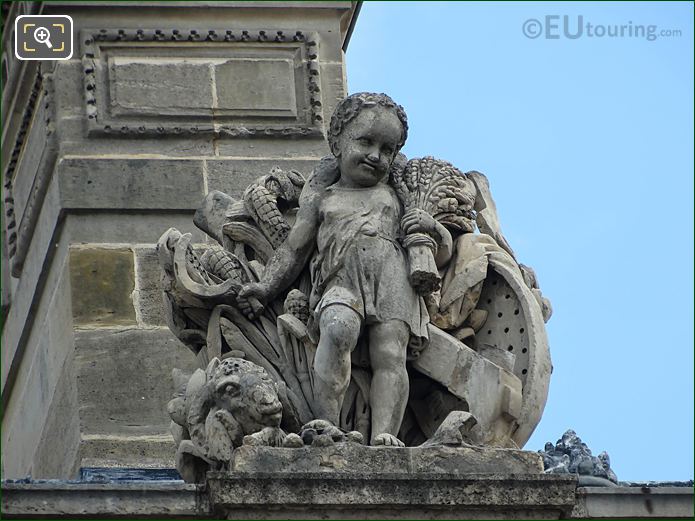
(387, 440)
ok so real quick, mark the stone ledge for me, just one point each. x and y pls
(322, 495)
(441, 496)
(117, 451)
(663, 502)
(129, 500)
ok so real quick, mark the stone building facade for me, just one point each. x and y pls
(160, 103)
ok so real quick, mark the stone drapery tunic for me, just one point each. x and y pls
(360, 263)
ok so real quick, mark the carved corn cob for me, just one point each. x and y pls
(223, 264)
(261, 203)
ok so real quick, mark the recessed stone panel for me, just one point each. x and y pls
(232, 85)
(256, 87)
(160, 86)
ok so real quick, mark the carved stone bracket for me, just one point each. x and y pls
(201, 79)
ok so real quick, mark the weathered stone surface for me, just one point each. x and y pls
(41, 382)
(57, 453)
(130, 183)
(239, 91)
(104, 281)
(331, 47)
(127, 228)
(377, 495)
(124, 379)
(17, 329)
(68, 85)
(333, 85)
(233, 176)
(27, 290)
(147, 296)
(136, 86)
(473, 497)
(132, 500)
(127, 450)
(73, 131)
(202, 84)
(352, 458)
(271, 147)
(634, 503)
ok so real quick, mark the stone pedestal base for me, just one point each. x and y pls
(355, 459)
(351, 481)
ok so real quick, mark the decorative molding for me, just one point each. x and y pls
(8, 197)
(41, 182)
(19, 237)
(97, 42)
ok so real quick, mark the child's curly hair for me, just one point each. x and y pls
(350, 107)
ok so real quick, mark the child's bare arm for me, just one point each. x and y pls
(445, 245)
(290, 258)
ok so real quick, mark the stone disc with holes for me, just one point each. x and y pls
(515, 323)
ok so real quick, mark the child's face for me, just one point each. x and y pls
(367, 146)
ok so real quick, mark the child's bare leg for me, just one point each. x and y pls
(388, 395)
(339, 328)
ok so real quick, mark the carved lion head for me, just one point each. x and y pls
(247, 391)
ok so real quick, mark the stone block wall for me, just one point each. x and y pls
(101, 154)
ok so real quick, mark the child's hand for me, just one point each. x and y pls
(251, 299)
(417, 220)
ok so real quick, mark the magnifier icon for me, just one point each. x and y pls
(42, 35)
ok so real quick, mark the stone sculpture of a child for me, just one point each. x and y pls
(351, 218)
